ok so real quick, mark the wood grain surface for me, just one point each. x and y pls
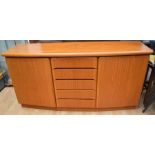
(76, 62)
(75, 81)
(75, 84)
(74, 103)
(120, 81)
(74, 73)
(76, 94)
(32, 81)
(67, 49)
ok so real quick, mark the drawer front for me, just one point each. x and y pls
(73, 103)
(74, 73)
(75, 84)
(84, 62)
(76, 94)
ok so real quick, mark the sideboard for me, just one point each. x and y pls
(79, 75)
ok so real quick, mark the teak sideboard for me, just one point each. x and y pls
(79, 75)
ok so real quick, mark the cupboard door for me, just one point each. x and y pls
(32, 80)
(120, 80)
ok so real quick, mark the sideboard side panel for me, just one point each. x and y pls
(32, 81)
(120, 80)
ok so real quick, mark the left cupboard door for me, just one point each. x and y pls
(32, 80)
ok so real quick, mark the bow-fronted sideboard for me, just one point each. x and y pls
(79, 75)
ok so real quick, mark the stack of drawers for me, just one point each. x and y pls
(75, 81)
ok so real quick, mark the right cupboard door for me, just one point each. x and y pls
(120, 80)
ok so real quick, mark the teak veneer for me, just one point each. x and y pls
(79, 75)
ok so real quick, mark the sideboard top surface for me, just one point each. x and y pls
(71, 49)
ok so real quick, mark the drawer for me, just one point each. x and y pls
(76, 94)
(75, 84)
(76, 62)
(73, 103)
(74, 73)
